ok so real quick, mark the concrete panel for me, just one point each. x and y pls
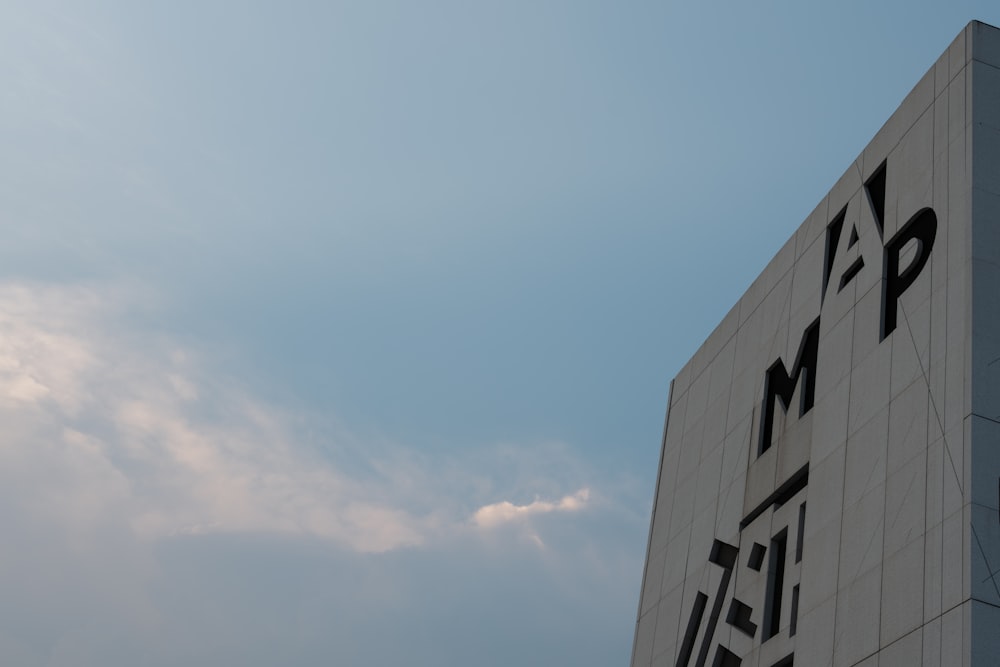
(869, 388)
(953, 480)
(807, 281)
(794, 447)
(942, 74)
(745, 390)
(985, 43)
(664, 659)
(907, 435)
(682, 510)
(940, 110)
(932, 643)
(675, 560)
(902, 594)
(736, 450)
(730, 511)
(985, 94)
(908, 650)
(830, 421)
(933, 557)
(958, 323)
(985, 556)
(715, 427)
(857, 624)
(838, 305)
(778, 269)
(911, 342)
(937, 378)
(660, 533)
(961, 49)
(861, 536)
(826, 490)
(867, 319)
(815, 641)
(760, 478)
(986, 233)
(717, 340)
(690, 450)
(642, 649)
(709, 475)
(953, 555)
(721, 371)
(985, 446)
(846, 188)
(913, 176)
(820, 565)
(813, 230)
(697, 401)
(953, 637)
(680, 384)
(956, 106)
(837, 340)
(870, 242)
(651, 582)
(986, 339)
(702, 534)
(675, 421)
(986, 159)
(866, 458)
(904, 505)
(985, 638)
(668, 621)
(912, 107)
(775, 311)
(934, 493)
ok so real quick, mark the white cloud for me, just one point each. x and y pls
(102, 422)
(506, 511)
(107, 423)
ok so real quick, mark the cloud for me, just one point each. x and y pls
(108, 421)
(506, 511)
(103, 421)
(159, 508)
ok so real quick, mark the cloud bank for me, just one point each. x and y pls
(131, 425)
(161, 513)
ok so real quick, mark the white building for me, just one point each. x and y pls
(862, 526)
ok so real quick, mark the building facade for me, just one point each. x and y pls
(829, 482)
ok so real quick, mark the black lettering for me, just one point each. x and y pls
(723, 555)
(779, 384)
(922, 227)
(875, 189)
(694, 622)
(833, 231)
(756, 556)
(793, 624)
(726, 658)
(800, 536)
(775, 584)
(739, 617)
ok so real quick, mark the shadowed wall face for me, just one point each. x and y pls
(828, 482)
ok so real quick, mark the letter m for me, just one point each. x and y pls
(779, 384)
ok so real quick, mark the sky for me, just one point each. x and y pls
(341, 332)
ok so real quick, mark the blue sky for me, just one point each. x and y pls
(341, 333)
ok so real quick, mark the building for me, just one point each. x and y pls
(829, 483)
